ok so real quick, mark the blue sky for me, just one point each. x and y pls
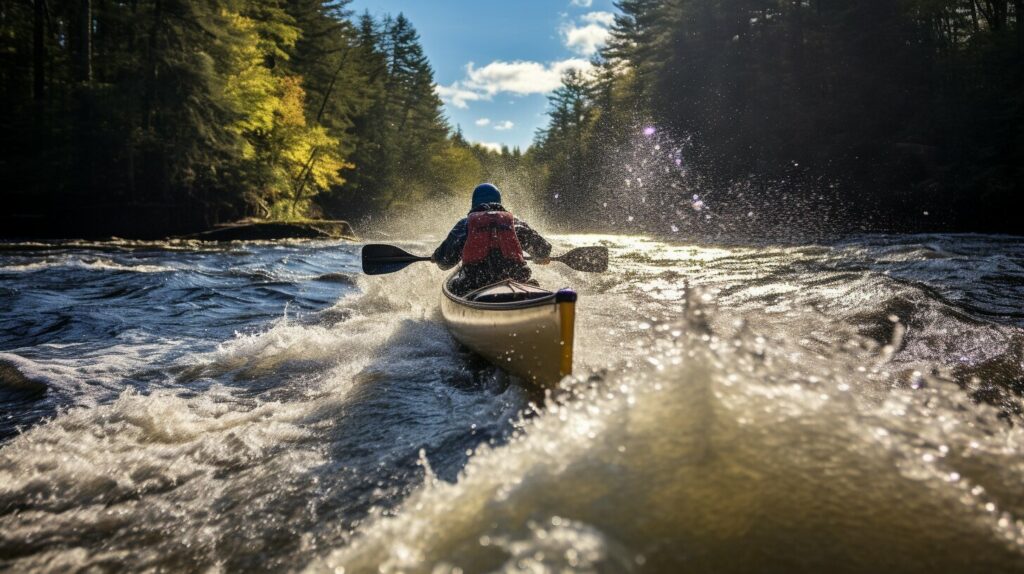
(496, 61)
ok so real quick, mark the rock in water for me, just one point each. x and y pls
(268, 230)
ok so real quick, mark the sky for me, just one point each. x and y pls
(495, 61)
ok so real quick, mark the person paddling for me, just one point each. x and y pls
(490, 243)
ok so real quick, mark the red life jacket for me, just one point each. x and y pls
(490, 230)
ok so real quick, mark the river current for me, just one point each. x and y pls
(844, 407)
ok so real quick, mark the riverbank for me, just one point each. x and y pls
(268, 230)
(156, 221)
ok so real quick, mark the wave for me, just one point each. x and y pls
(742, 409)
(239, 444)
(86, 264)
(731, 454)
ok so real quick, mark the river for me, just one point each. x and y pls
(848, 407)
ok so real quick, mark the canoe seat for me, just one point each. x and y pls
(507, 292)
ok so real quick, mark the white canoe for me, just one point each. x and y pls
(525, 330)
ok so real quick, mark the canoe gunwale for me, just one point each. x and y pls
(549, 299)
(543, 356)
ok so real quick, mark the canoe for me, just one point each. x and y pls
(523, 329)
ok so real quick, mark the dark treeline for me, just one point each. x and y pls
(826, 115)
(149, 117)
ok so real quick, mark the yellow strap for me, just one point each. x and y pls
(567, 317)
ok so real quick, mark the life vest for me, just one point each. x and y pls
(490, 230)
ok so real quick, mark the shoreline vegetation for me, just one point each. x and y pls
(775, 119)
(163, 118)
(258, 230)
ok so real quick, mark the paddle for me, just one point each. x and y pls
(379, 259)
(589, 259)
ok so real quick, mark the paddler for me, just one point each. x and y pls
(490, 243)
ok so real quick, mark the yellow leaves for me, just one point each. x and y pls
(325, 170)
(292, 102)
(294, 160)
(251, 90)
(310, 154)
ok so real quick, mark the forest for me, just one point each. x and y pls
(145, 118)
(796, 117)
(151, 117)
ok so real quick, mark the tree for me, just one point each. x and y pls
(861, 114)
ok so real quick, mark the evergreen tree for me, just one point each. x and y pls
(565, 141)
(161, 116)
(815, 108)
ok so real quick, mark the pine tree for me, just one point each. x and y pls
(565, 141)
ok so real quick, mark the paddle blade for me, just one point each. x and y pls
(589, 259)
(379, 259)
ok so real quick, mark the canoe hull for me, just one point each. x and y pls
(529, 339)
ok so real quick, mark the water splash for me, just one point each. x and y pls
(726, 452)
(737, 408)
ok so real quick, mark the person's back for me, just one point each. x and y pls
(490, 243)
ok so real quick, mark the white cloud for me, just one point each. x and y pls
(605, 19)
(503, 126)
(482, 122)
(582, 3)
(495, 147)
(519, 78)
(586, 40)
(457, 96)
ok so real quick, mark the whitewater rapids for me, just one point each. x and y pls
(846, 407)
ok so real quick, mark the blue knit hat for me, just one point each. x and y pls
(486, 193)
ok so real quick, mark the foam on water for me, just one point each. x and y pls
(732, 454)
(132, 472)
(249, 453)
(847, 408)
(87, 263)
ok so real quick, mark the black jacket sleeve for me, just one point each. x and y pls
(531, 241)
(449, 253)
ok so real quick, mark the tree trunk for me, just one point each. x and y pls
(1018, 13)
(38, 51)
(149, 93)
(83, 99)
(1000, 9)
(85, 43)
(307, 169)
